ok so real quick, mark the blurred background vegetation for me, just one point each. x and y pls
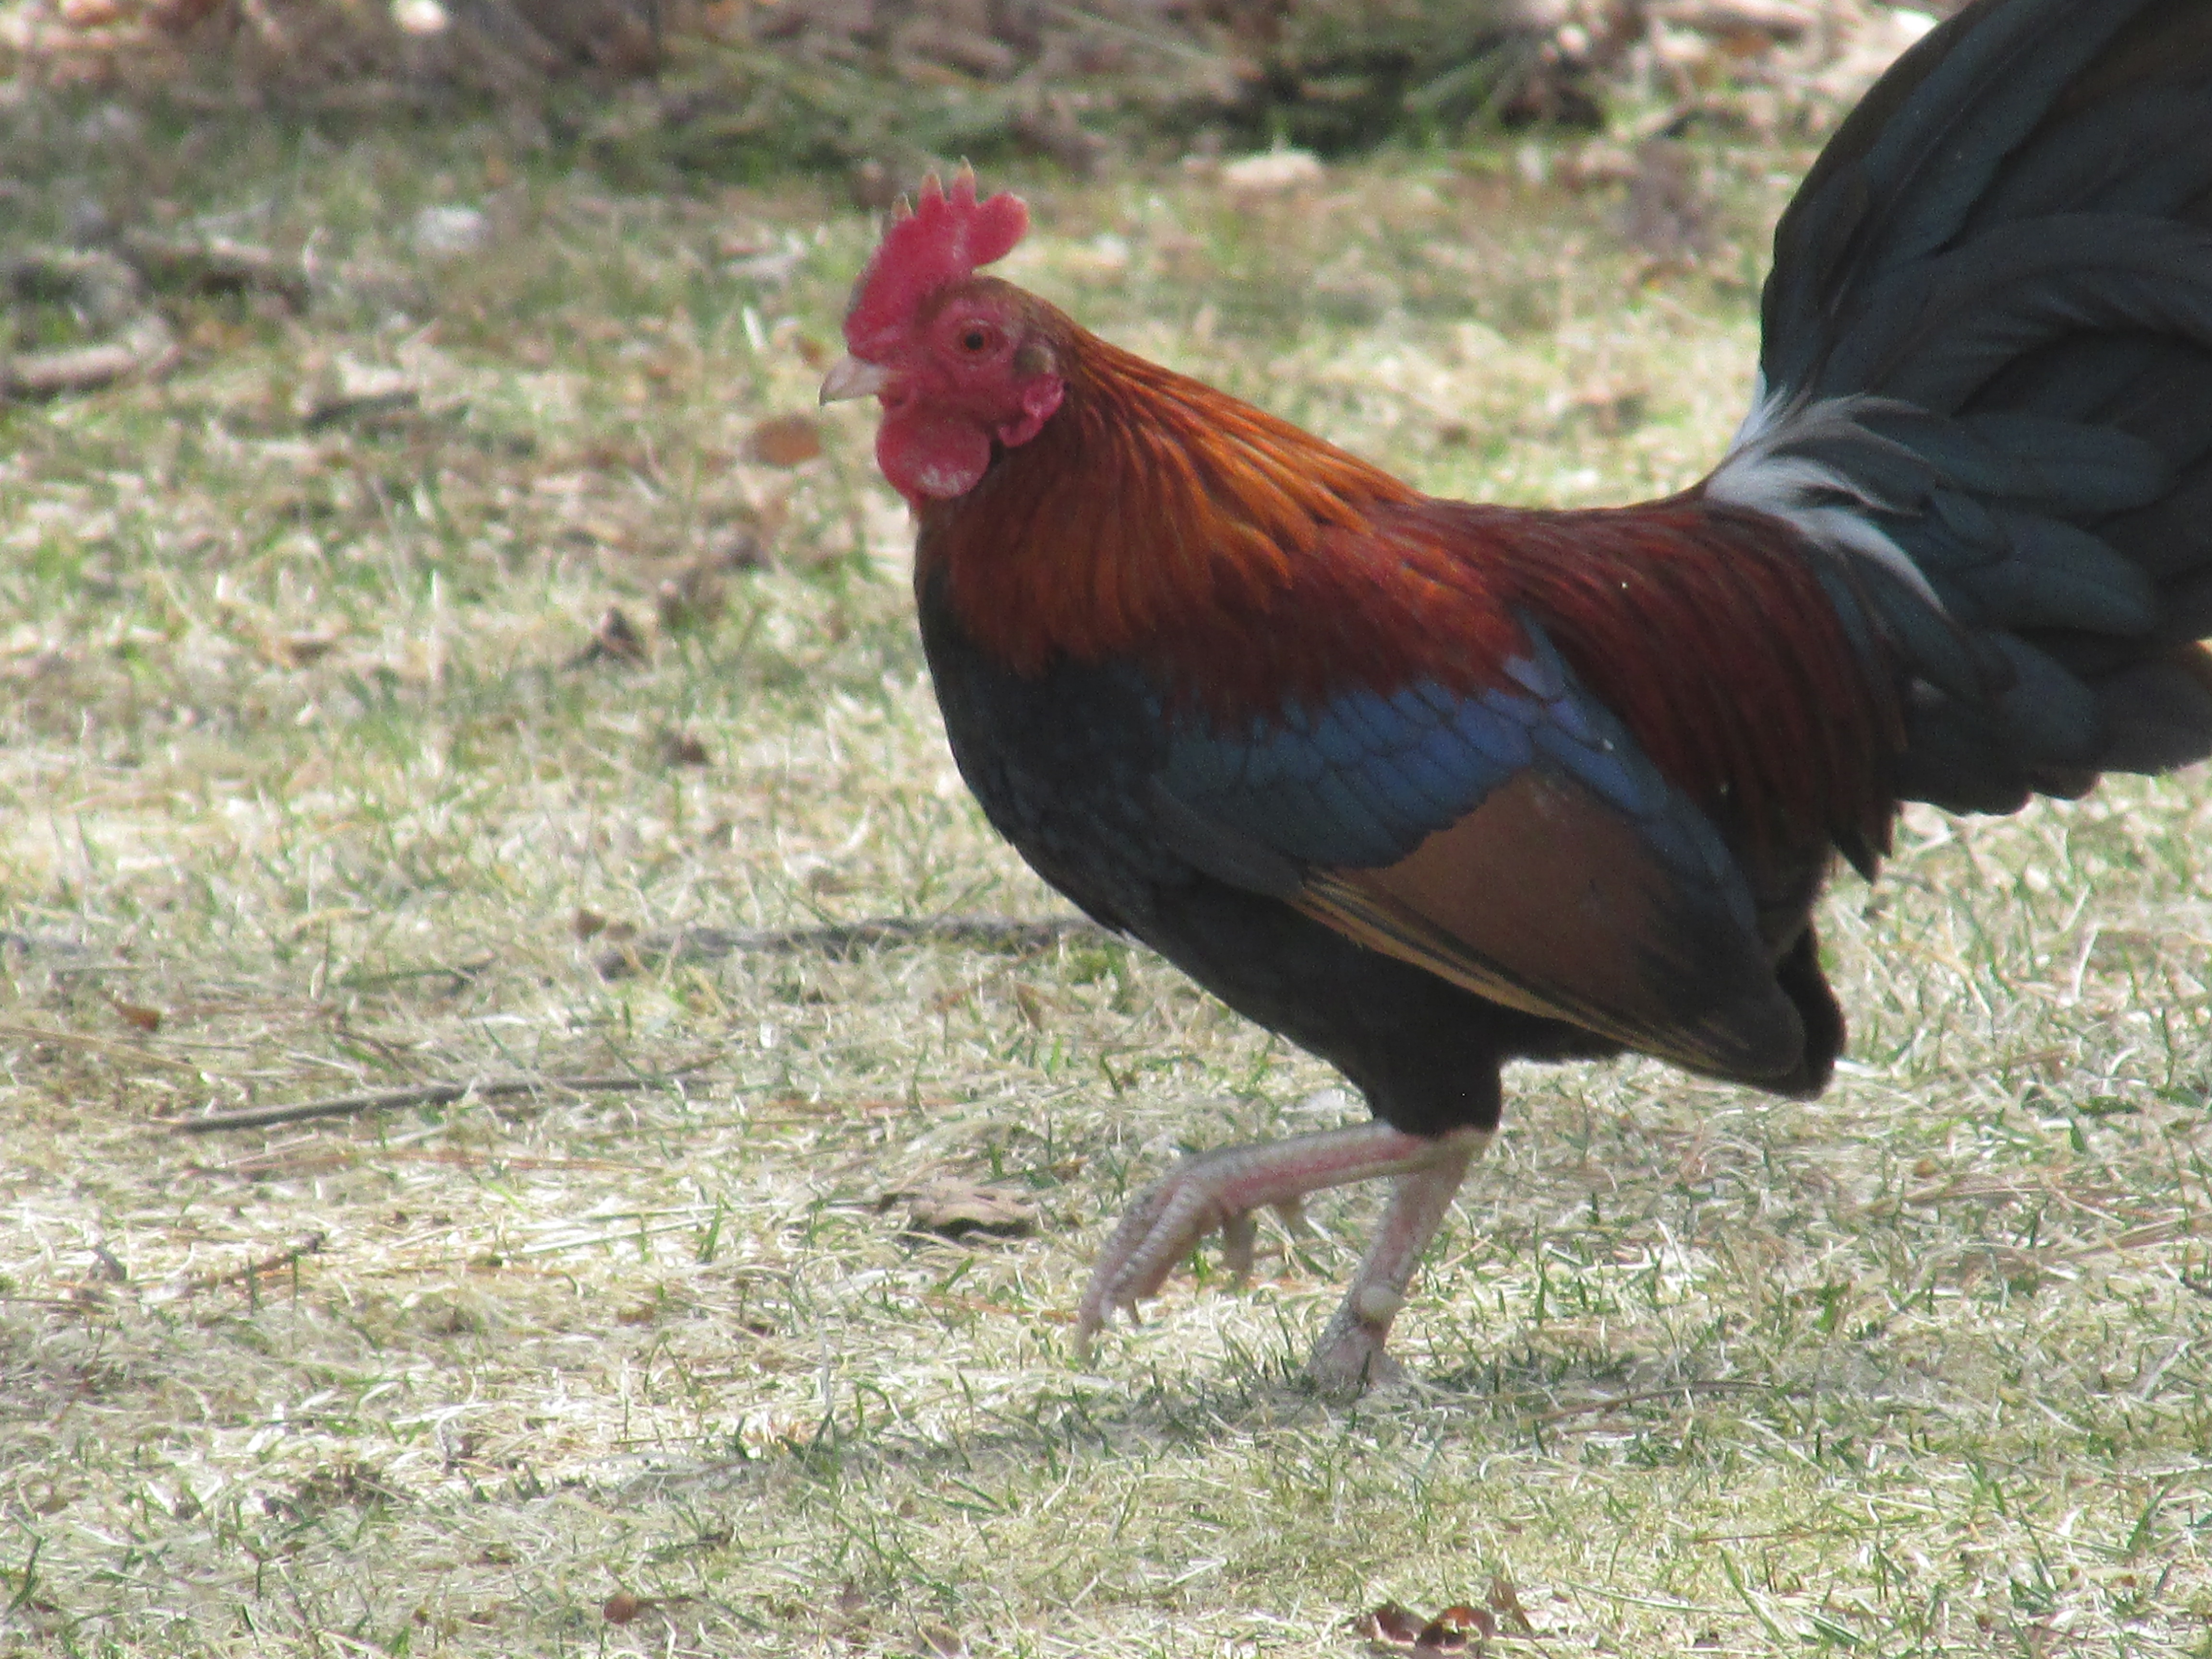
(117, 117)
(876, 89)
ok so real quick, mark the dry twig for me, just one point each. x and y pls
(429, 1094)
(308, 1244)
(846, 939)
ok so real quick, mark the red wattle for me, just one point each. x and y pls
(931, 460)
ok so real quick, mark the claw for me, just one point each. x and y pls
(1089, 1322)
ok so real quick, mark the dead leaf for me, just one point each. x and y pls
(1390, 1623)
(1458, 1629)
(681, 749)
(367, 409)
(771, 270)
(1505, 1602)
(694, 593)
(298, 650)
(613, 640)
(138, 1019)
(952, 1207)
(785, 440)
(1598, 162)
(590, 924)
(1614, 411)
(689, 599)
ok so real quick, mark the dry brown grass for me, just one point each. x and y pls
(305, 754)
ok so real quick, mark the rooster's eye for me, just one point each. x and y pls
(974, 339)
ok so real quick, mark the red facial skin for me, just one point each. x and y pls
(970, 371)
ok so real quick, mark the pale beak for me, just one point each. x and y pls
(852, 377)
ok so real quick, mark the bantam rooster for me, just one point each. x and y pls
(1427, 787)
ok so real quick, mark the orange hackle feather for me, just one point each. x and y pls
(1246, 564)
(1193, 505)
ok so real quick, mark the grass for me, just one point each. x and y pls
(306, 765)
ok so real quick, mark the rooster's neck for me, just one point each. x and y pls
(1148, 504)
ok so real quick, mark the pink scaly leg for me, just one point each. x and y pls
(1348, 1360)
(1219, 1190)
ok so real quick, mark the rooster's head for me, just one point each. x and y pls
(961, 363)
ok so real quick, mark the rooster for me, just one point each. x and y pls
(1425, 786)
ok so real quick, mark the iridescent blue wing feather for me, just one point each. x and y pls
(1511, 838)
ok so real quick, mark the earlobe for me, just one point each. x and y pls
(1039, 399)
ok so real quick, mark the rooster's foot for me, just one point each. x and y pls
(1221, 1189)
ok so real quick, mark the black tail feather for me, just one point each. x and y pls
(1988, 338)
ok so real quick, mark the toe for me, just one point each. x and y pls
(1240, 1236)
(1350, 1359)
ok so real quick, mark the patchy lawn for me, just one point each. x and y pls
(326, 767)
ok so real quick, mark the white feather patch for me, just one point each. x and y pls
(1825, 504)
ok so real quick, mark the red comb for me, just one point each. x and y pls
(941, 241)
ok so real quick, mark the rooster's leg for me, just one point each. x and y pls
(1220, 1190)
(1349, 1357)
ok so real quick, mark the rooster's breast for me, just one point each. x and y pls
(1059, 761)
